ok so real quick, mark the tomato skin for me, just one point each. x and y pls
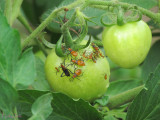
(127, 45)
(89, 85)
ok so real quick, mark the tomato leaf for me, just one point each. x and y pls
(24, 72)
(41, 108)
(40, 82)
(67, 109)
(146, 106)
(8, 98)
(14, 67)
(152, 60)
(120, 86)
(26, 99)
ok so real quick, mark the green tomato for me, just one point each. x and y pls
(88, 86)
(127, 45)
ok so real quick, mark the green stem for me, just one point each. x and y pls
(124, 97)
(30, 30)
(8, 10)
(48, 20)
(152, 15)
(25, 23)
(15, 114)
(66, 33)
(15, 9)
(120, 19)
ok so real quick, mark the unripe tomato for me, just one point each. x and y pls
(90, 84)
(127, 45)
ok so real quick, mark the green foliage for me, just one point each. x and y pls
(152, 60)
(40, 82)
(65, 108)
(2, 5)
(25, 101)
(120, 86)
(15, 68)
(41, 108)
(8, 98)
(146, 105)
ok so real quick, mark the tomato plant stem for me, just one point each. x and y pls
(124, 97)
(28, 27)
(154, 16)
(48, 20)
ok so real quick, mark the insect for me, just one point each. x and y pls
(73, 53)
(57, 70)
(66, 9)
(95, 47)
(105, 76)
(79, 62)
(101, 54)
(77, 73)
(92, 57)
(84, 54)
(66, 71)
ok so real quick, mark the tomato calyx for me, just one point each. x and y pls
(68, 40)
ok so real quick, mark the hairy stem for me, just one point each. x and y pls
(152, 15)
(124, 97)
(30, 30)
(48, 20)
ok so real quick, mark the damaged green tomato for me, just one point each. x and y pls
(70, 76)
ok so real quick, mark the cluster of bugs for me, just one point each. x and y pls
(77, 62)
(94, 55)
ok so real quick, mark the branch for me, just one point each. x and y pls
(124, 97)
(101, 4)
(30, 30)
(48, 20)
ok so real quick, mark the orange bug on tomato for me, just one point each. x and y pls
(73, 53)
(79, 62)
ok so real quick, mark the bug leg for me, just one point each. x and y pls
(63, 75)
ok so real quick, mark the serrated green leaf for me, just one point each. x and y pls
(143, 3)
(14, 68)
(40, 82)
(120, 86)
(146, 106)
(151, 61)
(41, 108)
(26, 99)
(65, 108)
(8, 99)
(24, 71)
